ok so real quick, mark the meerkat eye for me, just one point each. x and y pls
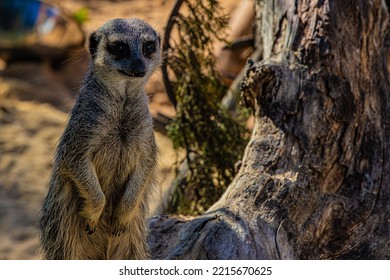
(118, 49)
(149, 48)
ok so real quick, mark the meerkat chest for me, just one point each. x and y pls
(122, 142)
(130, 125)
(124, 121)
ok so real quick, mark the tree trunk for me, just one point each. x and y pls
(315, 177)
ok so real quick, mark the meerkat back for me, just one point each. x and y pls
(104, 167)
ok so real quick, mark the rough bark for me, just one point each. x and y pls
(315, 177)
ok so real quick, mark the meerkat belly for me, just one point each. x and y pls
(116, 156)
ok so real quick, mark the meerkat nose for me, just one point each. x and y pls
(139, 73)
(137, 68)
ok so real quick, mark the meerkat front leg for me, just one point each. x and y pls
(88, 187)
(130, 202)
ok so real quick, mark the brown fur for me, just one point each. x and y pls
(105, 162)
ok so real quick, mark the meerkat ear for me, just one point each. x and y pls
(93, 44)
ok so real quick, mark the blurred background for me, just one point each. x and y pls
(42, 63)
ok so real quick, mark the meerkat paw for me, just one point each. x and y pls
(91, 215)
(90, 222)
(90, 227)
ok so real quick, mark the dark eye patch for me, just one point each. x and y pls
(149, 48)
(118, 49)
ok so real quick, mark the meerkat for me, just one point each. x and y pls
(104, 167)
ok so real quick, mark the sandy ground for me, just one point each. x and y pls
(31, 123)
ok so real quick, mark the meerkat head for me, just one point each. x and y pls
(125, 49)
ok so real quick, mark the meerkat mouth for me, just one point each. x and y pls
(133, 74)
